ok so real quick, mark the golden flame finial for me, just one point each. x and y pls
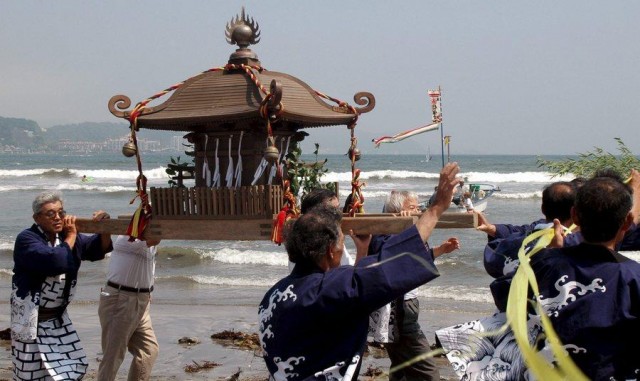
(242, 30)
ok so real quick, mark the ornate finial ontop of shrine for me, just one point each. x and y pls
(243, 31)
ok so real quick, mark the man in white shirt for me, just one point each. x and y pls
(398, 327)
(124, 309)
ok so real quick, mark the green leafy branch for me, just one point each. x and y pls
(587, 164)
(174, 169)
(303, 176)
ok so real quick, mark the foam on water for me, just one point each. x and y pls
(457, 293)
(367, 194)
(106, 189)
(69, 186)
(155, 173)
(28, 172)
(221, 281)
(6, 245)
(10, 188)
(517, 196)
(234, 256)
(382, 194)
(514, 177)
(478, 177)
(383, 174)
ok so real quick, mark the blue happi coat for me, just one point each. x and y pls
(592, 296)
(501, 254)
(501, 257)
(35, 260)
(313, 324)
(506, 230)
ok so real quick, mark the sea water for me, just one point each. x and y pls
(232, 273)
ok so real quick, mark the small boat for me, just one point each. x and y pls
(480, 194)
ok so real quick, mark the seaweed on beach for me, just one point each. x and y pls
(241, 340)
(5, 334)
(375, 351)
(373, 372)
(195, 367)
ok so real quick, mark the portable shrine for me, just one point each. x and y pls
(242, 120)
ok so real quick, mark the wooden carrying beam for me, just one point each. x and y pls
(215, 230)
(448, 220)
(260, 229)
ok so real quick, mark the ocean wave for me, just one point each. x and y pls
(69, 186)
(376, 194)
(457, 293)
(515, 177)
(382, 174)
(188, 256)
(473, 177)
(6, 243)
(49, 172)
(517, 196)
(254, 257)
(456, 259)
(105, 189)
(179, 256)
(155, 173)
(382, 194)
(220, 281)
(11, 188)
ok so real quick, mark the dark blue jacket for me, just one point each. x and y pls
(312, 320)
(34, 259)
(592, 296)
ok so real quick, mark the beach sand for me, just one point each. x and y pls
(172, 322)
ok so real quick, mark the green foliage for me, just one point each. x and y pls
(589, 163)
(173, 170)
(176, 165)
(305, 177)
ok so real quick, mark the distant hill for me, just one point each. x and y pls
(21, 133)
(97, 132)
(91, 132)
(25, 133)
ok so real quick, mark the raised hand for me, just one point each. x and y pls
(446, 247)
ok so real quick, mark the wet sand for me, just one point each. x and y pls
(171, 322)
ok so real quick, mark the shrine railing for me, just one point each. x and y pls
(247, 202)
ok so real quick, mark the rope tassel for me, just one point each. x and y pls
(287, 212)
(142, 216)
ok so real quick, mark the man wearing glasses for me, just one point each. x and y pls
(47, 257)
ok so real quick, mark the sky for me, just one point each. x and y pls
(517, 77)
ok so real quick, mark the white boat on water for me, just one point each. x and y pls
(480, 194)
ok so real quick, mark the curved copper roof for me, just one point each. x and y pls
(218, 97)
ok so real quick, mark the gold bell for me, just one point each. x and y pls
(271, 154)
(356, 154)
(129, 149)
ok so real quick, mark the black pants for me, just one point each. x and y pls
(412, 343)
